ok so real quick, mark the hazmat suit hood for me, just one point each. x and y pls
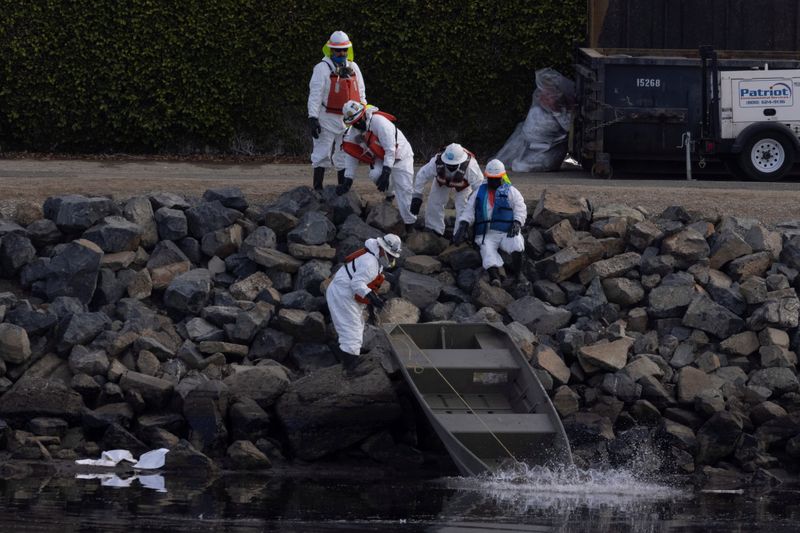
(373, 246)
(326, 51)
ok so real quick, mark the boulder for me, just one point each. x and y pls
(189, 292)
(398, 311)
(554, 206)
(262, 384)
(314, 228)
(323, 412)
(15, 348)
(232, 197)
(139, 210)
(418, 289)
(209, 216)
(73, 271)
(172, 224)
(115, 234)
(386, 218)
(16, 251)
(222, 242)
(32, 397)
(75, 213)
(486, 295)
(538, 316)
(606, 355)
(706, 315)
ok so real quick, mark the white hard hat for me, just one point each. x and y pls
(494, 169)
(352, 111)
(391, 244)
(454, 154)
(339, 39)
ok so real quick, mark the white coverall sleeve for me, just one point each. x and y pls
(468, 214)
(316, 87)
(387, 136)
(518, 205)
(362, 89)
(474, 174)
(424, 176)
(367, 269)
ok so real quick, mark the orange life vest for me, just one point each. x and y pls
(374, 285)
(370, 149)
(341, 90)
(458, 180)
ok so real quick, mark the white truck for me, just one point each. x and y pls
(759, 121)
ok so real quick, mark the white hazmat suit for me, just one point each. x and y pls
(398, 156)
(493, 241)
(437, 198)
(350, 281)
(327, 151)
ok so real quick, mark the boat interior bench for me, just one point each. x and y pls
(499, 423)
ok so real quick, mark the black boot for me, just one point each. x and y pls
(340, 177)
(409, 229)
(319, 175)
(494, 276)
(516, 265)
(349, 361)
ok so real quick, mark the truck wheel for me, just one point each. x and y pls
(767, 156)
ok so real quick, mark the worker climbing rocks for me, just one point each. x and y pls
(355, 286)
(498, 212)
(335, 80)
(452, 169)
(373, 138)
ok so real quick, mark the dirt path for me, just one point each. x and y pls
(34, 180)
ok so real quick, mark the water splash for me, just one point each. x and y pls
(522, 488)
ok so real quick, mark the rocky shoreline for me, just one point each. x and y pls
(666, 341)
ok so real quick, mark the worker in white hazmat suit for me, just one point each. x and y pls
(454, 168)
(375, 129)
(335, 80)
(355, 286)
(498, 211)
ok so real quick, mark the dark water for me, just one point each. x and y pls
(516, 501)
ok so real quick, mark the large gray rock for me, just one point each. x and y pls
(706, 315)
(323, 412)
(782, 313)
(750, 265)
(156, 392)
(565, 263)
(189, 292)
(355, 227)
(623, 291)
(777, 380)
(15, 347)
(538, 316)
(169, 200)
(81, 328)
(386, 218)
(172, 224)
(262, 237)
(426, 243)
(419, 289)
(486, 295)
(16, 251)
(232, 197)
(688, 246)
(166, 262)
(610, 356)
(31, 397)
(717, 438)
(727, 247)
(73, 272)
(222, 242)
(398, 311)
(263, 384)
(314, 228)
(139, 210)
(554, 206)
(210, 216)
(270, 258)
(75, 213)
(311, 275)
(670, 300)
(115, 234)
(611, 268)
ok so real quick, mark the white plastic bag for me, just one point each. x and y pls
(539, 143)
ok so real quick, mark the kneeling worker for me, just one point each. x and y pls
(355, 286)
(498, 212)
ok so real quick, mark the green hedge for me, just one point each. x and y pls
(232, 75)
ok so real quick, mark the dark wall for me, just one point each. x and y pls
(725, 24)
